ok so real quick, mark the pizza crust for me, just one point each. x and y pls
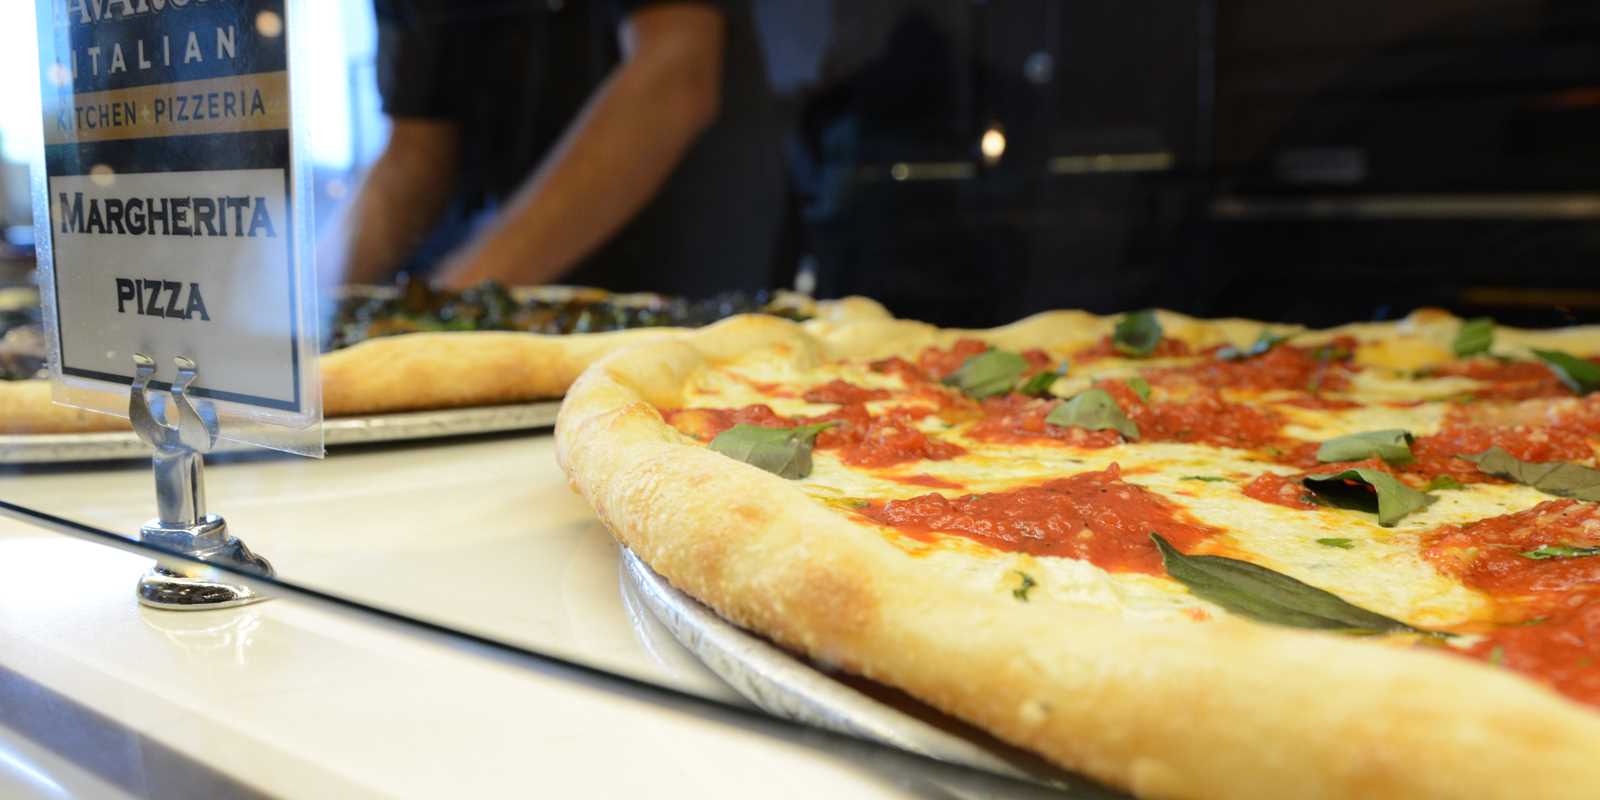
(420, 371)
(1226, 708)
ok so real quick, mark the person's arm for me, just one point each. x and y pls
(398, 203)
(613, 157)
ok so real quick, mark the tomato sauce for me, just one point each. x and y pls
(1507, 380)
(1547, 611)
(931, 481)
(1282, 367)
(1206, 418)
(842, 392)
(1283, 490)
(1092, 516)
(864, 439)
(1105, 348)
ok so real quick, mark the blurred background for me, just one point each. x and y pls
(971, 161)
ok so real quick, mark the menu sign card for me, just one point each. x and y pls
(172, 221)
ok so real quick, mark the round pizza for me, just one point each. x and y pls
(412, 347)
(1188, 558)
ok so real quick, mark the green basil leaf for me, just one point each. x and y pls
(1442, 482)
(1027, 584)
(785, 452)
(1095, 410)
(1389, 498)
(1039, 385)
(1551, 477)
(1266, 341)
(1475, 336)
(1342, 544)
(1206, 478)
(1391, 444)
(1549, 551)
(1140, 387)
(1254, 591)
(1137, 333)
(988, 374)
(1579, 374)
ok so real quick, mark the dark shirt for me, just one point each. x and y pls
(515, 73)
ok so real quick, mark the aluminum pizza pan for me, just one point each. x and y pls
(785, 686)
(371, 429)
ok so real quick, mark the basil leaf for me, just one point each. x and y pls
(1549, 551)
(1389, 498)
(1206, 478)
(988, 374)
(1579, 374)
(1039, 385)
(1342, 544)
(1266, 341)
(1442, 482)
(1474, 337)
(1137, 333)
(1095, 410)
(1027, 584)
(1391, 444)
(1262, 594)
(785, 452)
(1140, 387)
(1551, 477)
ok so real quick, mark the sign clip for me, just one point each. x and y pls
(182, 523)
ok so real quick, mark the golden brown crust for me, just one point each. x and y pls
(421, 371)
(1166, 709)
(25, 407)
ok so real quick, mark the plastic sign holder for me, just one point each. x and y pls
(174, 242)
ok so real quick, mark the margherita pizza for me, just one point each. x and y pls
(413, 347)
(1192, 559)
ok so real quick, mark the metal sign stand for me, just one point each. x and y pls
(183, 523)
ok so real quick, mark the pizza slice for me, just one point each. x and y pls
(1188, 558)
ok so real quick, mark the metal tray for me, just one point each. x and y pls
(786, 686)
(67, 447)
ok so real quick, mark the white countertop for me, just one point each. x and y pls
(298, 701)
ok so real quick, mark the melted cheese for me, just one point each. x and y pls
(1381, 570)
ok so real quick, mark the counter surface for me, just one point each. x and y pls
(481, 534)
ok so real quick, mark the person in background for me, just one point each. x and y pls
(632, 145)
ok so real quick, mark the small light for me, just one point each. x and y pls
(60, 75)
(900, 171)
(102, 175)
(269, 24)
(992, 145)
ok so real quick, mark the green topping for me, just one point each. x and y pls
(988, 374)
(1021, 592)
(1266, 341)
(1549, 551)
(1474, 337)
(1140, 387)
(1095, 410)
(1551, 477)
(1342, 544)
(1137, 333)
(1206, 478)
(1388, 497)
(1039, 385)
(785, 452)
(1579, 374)
(1391, 444)
(1442, 482)
(1260, 593)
